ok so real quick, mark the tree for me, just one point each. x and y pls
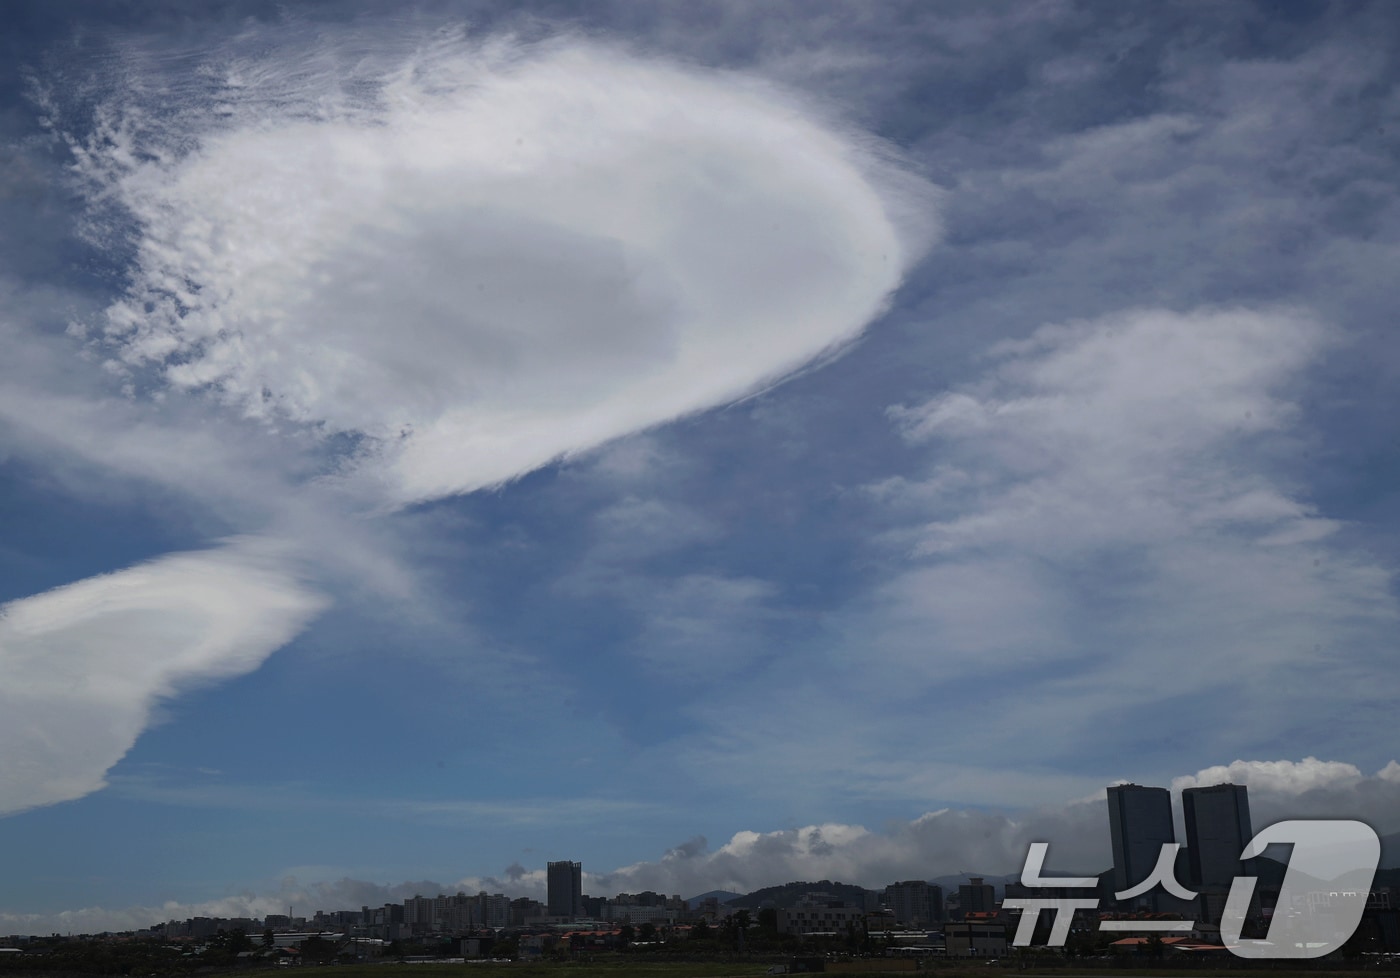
(1362, 941)
(1079, 945)
(506, 947)
(735, 929)
(768, 920)
(220, 949)
(1155, 947)
(647, 932)
(317, 948)
(626, 934)
(269, 939)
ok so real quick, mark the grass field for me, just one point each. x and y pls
(620, 969)
(875, 967)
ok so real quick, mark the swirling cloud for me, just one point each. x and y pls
(484, 258)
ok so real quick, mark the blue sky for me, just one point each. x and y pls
(720, 444)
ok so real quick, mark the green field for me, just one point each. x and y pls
(621, 969)
(874, 967)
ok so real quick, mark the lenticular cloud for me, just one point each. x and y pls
(85, 665)
(484, 258)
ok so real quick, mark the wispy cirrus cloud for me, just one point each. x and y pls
(1120, 472)
(1102, 537)
(211, 791)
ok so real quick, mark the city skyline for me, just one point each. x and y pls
(713, 444)
(1138, 826)
(562, 882)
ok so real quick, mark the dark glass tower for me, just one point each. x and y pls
(1139, 821)
(565, 886)
(1217, 829)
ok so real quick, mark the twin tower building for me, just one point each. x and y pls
(1217, 827)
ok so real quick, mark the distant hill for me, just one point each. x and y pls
(950, 884)
(788, 894)
(1270, 873)
(723, 896)
(1390, 851)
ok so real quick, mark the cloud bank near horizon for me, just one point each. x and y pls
(940, 843)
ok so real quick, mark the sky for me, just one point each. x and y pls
(719, 443)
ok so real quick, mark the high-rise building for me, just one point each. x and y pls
(565, 886)
(525, 912)
(915, 903)
(975, 896)
(495, 909)
(1217, 830)
(1139, 823)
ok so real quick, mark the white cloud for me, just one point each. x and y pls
(1108, 537)
(477, 256)
(635, 528)
(1104, 503)
(86, 664)
(1280, 777)
(1310, 788)
(991, 842)
(693, 626)
(489, 256)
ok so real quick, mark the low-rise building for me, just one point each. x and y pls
(978, 935)
(831, 918)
